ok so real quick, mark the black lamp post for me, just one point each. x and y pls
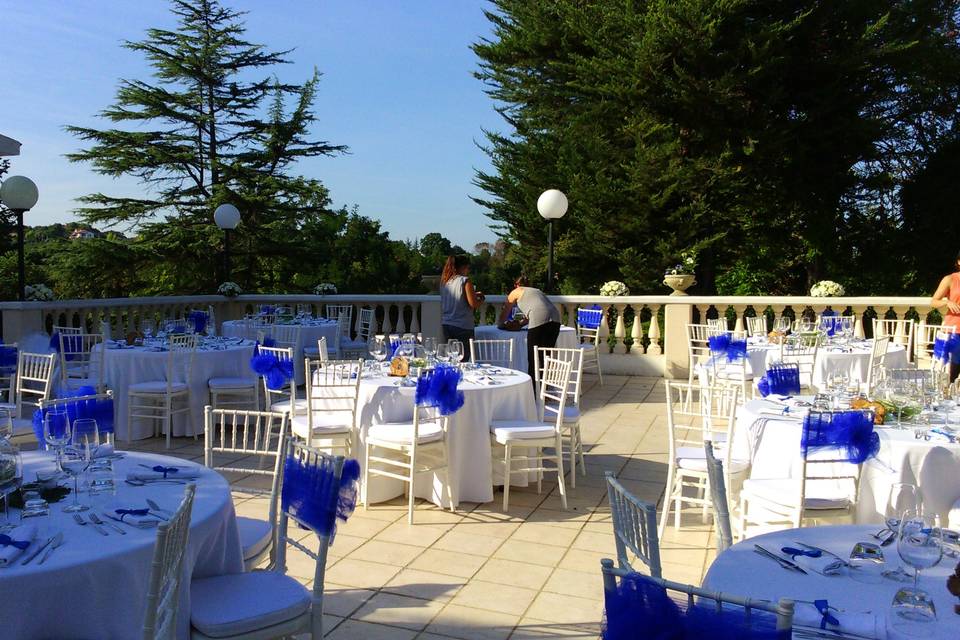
(19, 194)
(227, 218)
(552, 205)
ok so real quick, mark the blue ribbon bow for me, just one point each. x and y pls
(308, 495)
(826, 616)
(199, 320)
(131, 512)
(794, 552)
(7, 541)
(8, 359)
(438, 388)
(851, 432)
(276, 371)
(165, 470)
(781, 379)
(724, 345)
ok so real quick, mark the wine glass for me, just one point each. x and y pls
(430, 348)
(903, 499)
(56, 429)
(455, 351)
(73, 461)
(86, 434)
(378, 349)
(148, 327)
(6, 423)
(11, 475)
(443, 353)
(920, 545)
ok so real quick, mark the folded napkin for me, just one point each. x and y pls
(13, 544)
(105, 451)
(138, 517)
(826, 564)
(161, 472)
(819, 615)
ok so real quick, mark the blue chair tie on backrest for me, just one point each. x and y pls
(781, 378)
(724, 345)
(276, 371)
(642, 608)
(86, 405)
(439, 388)
(848, 432)
(314, 497)
(589, 318)
(199, 320)
(8, 360)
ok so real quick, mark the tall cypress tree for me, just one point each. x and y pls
(200, 134)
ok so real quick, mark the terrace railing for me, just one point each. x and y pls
(645, 335)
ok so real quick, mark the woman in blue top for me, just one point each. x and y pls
(542, 318)
(458, 299)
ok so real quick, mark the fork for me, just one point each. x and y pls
(95, 519)
(79, 520)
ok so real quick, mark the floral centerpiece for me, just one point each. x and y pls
(38, 293)
(325, 289)
(686, 266)
(826, 289)
(614, 288)
(229, 289)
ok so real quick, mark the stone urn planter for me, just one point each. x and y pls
(679, 283)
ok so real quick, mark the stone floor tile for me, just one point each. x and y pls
(387, 553)
(461, 541)
(575, 583)
(494, 597)
(564, 609)
(356, 630)
(473, 624)
(359, 573)
(398, 611)
(425, 584)
(341, 600)
(545, 533)
(517, 574)
(448, 563)
(532, 629)
(419, 535)
(530, 552)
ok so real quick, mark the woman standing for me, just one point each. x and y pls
(543, 319)
(458, 299)
(948, 295)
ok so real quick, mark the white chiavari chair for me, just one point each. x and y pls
(65, 330)
(34, 385)
(81, 360)
(498, 353)
(926, 336)
(698, 348)
(757, 326)
(900, 331)
(544, 433)
(571, 410)
(256, 436)
(878, 356)
(802, 350)
(283, 399)
(333, 388)
(8, 375)
(634, 527)
(718, 325)
(157, 400)
(589, 339)
(717, 486)
(166, 574)
(337, 312)
(351, 348)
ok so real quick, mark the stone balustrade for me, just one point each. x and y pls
(644, 335)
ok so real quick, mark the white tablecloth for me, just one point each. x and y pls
(468, 439)
(127, 366)
(309, 335)
(740, 571)
(566, 340)
(773, 446)
(854, 362)
(95, 586)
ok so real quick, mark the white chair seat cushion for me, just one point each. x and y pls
(504, 430)
(255, 535)
(821, 494)
(283, 406)
(232, 605)
(402, 433)
(232, 383)
(158, 386)
(323, 422)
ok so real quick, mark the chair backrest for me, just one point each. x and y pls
(878, 355)
(718, 495)
(79, 360)
(288, 389)
(826, 451)
(99, 406)
(8, 372)
(698, 347)
(588, 325)
(554, 387)
(317, 480)
(574, 357)
(34, 380)
(61, 329)
(182, 348)
(801, 349)
(496, 352)
(697, 413)
(333, 387)
(757, 326)
(921, 380)
(324, 354)
(166, 572)
(925, 337)
(900, 331)
(365, 324)
(338, 312)
(718, 324)
(634, 527)
(643, 606)
(285, 335)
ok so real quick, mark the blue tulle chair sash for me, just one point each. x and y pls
(781, 378)
(724, 345)
(946, 349)
(85, 405)
(199, 320)
(310, 496)
(850, 433)
(439, 388)
(276, 371)
(590, 318)
(8, 360)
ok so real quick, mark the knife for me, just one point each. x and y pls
(57, 541)
(786, 564)
(35, 552)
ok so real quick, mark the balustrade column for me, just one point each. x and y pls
(604, 332)
(738, 327)
(859, 312)
(653, 333)
(703, 313)
(636, 333)
(620, 331)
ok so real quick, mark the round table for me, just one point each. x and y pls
(213, 359)
(772, 445)
(310, 332)
(854, 360)
(740, 571)
(566, 340)
(95, 586)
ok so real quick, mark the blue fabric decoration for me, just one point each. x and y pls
(826, 617)
(781, 378)
(947, 350)
(86, 405)
(829, 323)
(438, 388)
(641, 609)
(266, 309)
(8, 359)
(199, 320)
(794, 552)
(850, 431)
(73, 345)
(276, 371)
(309, 497)
(723, 344)
(7, 541)
(165, 470)
(131, 512)
(590, 318)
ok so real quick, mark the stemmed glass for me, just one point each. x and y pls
(430, 348)
(56, 429)
(6, 424)
(920, 545)
(148, 327)
(903, 499)
(378, 350)
(11, 476)
(77, 456)
(443, 353)
(455, 351)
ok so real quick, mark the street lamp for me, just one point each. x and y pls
(19, 194)
(227, 218)
(552, 205)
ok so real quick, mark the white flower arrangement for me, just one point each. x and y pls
(827, 289)
(614, 288)
(229, 289)
(325, 289)
(686, 266)
(38, 293)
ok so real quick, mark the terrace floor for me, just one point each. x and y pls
(480, 573)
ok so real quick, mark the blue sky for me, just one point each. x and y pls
(397, 89)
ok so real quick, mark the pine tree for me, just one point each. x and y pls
(200, 134)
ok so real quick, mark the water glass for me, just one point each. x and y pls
(455, 351)
(903, 498)
(443, 353)
(56, 429)
(6, 423)
(11, 475)
(74, 461)
(377, 348)
(920, 545)
(430, 347)
(148, 327)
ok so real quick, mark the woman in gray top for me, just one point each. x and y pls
(543, 319)
(458, 299)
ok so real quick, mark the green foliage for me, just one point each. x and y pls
(772, 138)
